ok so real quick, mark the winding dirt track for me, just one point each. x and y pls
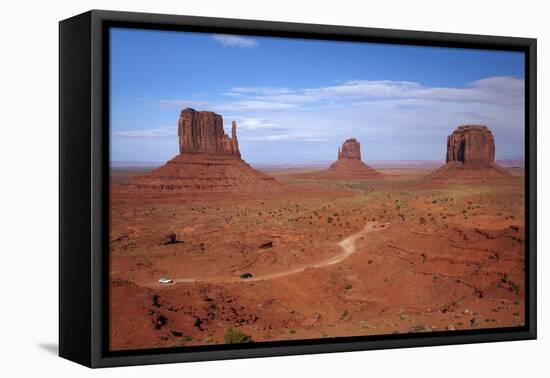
(347, 245)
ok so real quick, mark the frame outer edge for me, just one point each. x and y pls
(99, 356)
(345, 31)
(75, 272)
(533, 186)
(98, 221)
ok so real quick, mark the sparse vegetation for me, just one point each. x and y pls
(235, 336)
(420, 328)
(364, 325)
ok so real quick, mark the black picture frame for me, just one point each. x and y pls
(84, 186)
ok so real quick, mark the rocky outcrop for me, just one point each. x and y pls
(471, 144)
(202, 132)
(349, 165)
(209, 160)
(351, 149)
(471, 156)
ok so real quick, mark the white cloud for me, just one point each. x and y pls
(228, 106)
(228, 40)
(182, 103)
(260, 90)
(495, 90)
(251, 123)
(159, 132)
(392, 119)
(291, 135)
(253, 105)
(502, 90)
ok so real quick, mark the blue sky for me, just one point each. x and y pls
(296, 101)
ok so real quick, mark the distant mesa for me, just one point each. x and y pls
(349, 164)
(209, 160)
(471, 156)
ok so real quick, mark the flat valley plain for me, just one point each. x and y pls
(327, 258)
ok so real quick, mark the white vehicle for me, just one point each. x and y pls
(165, 281)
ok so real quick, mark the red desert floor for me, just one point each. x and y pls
(328, 258)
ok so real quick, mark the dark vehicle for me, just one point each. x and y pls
(244, 276)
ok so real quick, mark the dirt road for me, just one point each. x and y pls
(347, 245)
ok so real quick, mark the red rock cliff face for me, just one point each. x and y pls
(471, 144)
(202, 132)
(471, 157)
(351, 149)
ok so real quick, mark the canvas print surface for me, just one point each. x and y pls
(273, 189)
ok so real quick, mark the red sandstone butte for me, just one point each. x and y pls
(351, 149)
(471, 156)
(209, 160)
(202, 132)
(349, 164)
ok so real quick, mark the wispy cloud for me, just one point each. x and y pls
(260, 90)
(254, 105)
(416, 118)
(252, 123)
(182, 103)
(159, 132)
(496, 90)
(291, 135)
(228, 106)
(229, 40)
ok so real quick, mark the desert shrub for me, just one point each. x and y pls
(364, 325)
(234, 336)
(420, 328)
(514, 288)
